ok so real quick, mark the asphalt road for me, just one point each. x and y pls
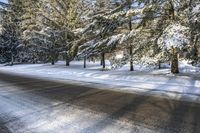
(30, 105)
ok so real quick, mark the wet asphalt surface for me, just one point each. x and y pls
(31, 105)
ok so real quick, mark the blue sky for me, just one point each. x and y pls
(4, 1)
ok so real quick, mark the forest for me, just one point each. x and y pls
(121, 31)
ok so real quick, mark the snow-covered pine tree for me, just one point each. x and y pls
(98, 28)
(3, 57)
(61, 17)
(194, 23)
(11, 35)
(96, 7)
(30, 24)
(111, 29)
(150, 19)
(177, 34)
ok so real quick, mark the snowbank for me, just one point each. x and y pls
(184, 86)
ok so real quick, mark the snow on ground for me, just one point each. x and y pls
(183, 86)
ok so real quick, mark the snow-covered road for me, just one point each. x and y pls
(34, 105)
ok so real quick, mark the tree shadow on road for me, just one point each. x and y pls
(151, 112)
(3, 128)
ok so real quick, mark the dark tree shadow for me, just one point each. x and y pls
(161, 114)
(3, 128)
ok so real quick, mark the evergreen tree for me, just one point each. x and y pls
(11, 35)
(62, 18)
(145, 30)
(147, 23)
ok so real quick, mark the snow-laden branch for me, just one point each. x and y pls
(175, 35)
(108, 44)
(120, 17)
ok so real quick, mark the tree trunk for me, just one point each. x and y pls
(67, 63)
(172, 10)
(131, 58)
(52, 61)
(174, 61)
(67, 60)
(52, 52)
(103, 60)
(85, 59)
(196, 54)
(131, 47)
(159, 65)
(12, 59)
(101, 63)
